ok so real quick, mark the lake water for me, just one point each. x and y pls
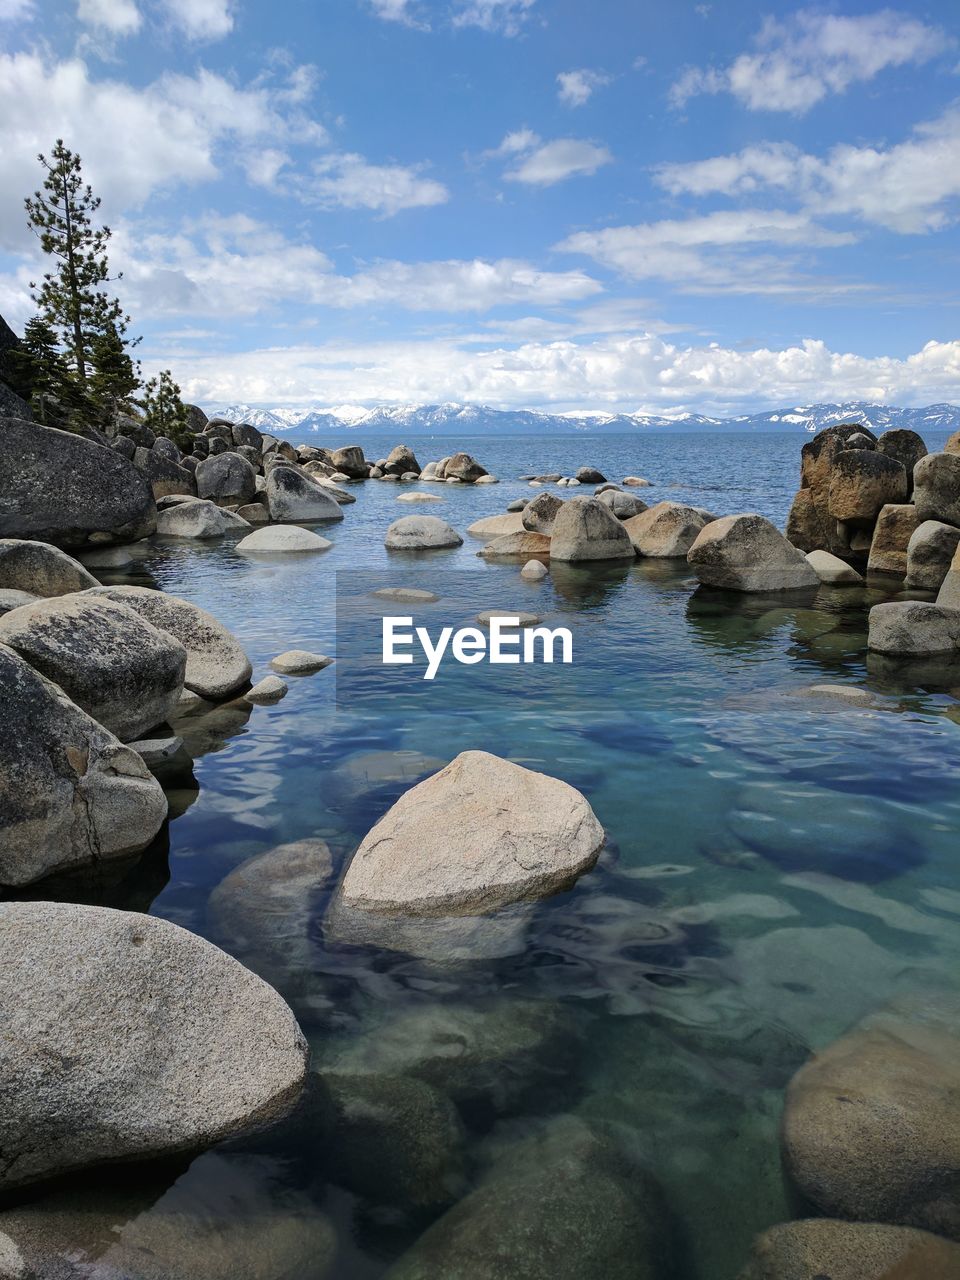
(777, 865)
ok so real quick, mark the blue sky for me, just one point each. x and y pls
(659, 206)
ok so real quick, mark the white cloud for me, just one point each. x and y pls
(908, 187)
(577, 87)
(554, 161)
(799, 61)
(200, 19)
(505, 16)
(641, 372)
(706, 254)
(350, 182)
(15, 10)
(405, 12)
(119, 17)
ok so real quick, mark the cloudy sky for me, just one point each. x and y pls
(656, 206)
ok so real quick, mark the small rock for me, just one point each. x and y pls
(108, 558)
(590, 475)
(636, 482)
(416, 533)
(282, 539)
(410, 595)
(299, 662)
(831, 569)
(534, 571)
(512, 545)
(267, 691)
(420, 497)
(154, 751)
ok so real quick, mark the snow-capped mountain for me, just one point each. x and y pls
(472, 419)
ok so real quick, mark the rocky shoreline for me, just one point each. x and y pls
(129, 1039)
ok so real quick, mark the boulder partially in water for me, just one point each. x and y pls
(293, 495)
(929, 554)
(861, 482)
(936, 487)
(538, 516)
(489, 527)
(126, 1037)
(421, 533)
(522, 543)
(824, 1247)
(832, 570)
(912, 627)
(584, 529)
(667, 530)
(282, 539)
(891, 538)
(747, 553)
(41, 569)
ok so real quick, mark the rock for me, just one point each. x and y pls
(402, 461)
(891, 537)
(226, 479)
(124, 445)
(216, 664)
(860, 441)
(299, 662)
(636, 482)
(350, 461)
(910, 627)
(861, 482)
(538, 516)
(247, 436)
(233, 521)
(534, 570)
(747, 553)
(906, 447)
(267, 691)
(816, 465)
(566, 1203)
(416, 533)
(821, 1248)
(667, 530)
(10, 599)
(929, 553)
(127, 1037)
(420, 497)
(491, 527)
(410, 595)
(70, 793)
(623, 505)
(108, 660)
(518, 504)
(108, 558)
(805, 527)
(949, 597)
(870, 1126)
(517, 544)
(486, 480)
(196, 418)
(59, 488)
(344, 499)
(414, 861)
(292, 495)
(523, 619)
(832, 570)
(164, 445)
(392, 1140)
(463, 468)
(156, 751)
(553, 478)
(40, 569)
(590, 475)
(165, 474)
(936, 487)
(254, 513)
(282, 539)
(953, 444)
(200, 519)
(585, 530)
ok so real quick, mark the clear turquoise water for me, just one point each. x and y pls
(776, 865)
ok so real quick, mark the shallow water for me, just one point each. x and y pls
(777, 865)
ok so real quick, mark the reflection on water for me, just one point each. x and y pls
(779, 863)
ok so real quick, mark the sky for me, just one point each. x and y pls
(626, 205)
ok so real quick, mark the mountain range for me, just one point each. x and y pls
(479, 420)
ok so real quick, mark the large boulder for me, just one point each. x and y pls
(891, 537)
(871, 1129)
(566, 1203)
(861, 482)
(747, 553)
(57, 487)
(70, 793)
(511, 545)
(808, 527)
(349, 461)
(929, 554)
(491, 527)
(816, 466)
(401, 461)
(949, 597)
(416, 533)
(198, 519)
(517, 835)
(906, 447)
(936, 487)
(590, 475)
(41, 569)
(911, 628)
(293, 495)
(196, 418)
(114, 665)
(538, 516)
(584, 529)
(247, 436)
(227, 479)
(463, 467)
(665, 531)
(216, 664)
(165, 474)
(282, 539)
(126, 1037)
(832, 570)
(818, 1248)
(623, 505)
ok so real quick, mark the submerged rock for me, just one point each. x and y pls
(40, 569)
(491, 527)
(907, 627)
(417, 533)
(534, 571)
(299, 662)
(408, 595)
(282, 539)
(518, 835)
(817, 1248)
(127, 1037)
(71, 794)
(266, 691)
(747, 553)
(584, 529)
(517, 544)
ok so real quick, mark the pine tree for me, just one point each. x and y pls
(70, 298)
(37, 371)
(114, 376)
(164, 411)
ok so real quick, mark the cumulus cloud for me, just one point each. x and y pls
(15, 10)
(504, 16)
(706, 254)
(407, 13)
(200, 19)
(577, 87)
(118, 17)
(909, 187)
(798, 62)
(542, 164)
(641, 372)
(351, 182)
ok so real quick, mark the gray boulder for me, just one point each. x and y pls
(906, 447)
(350, 461)
(665, 531)
(401, 461)
(216, 664)
(747, 553)
(463, 467)
(623, 505)
(164, 445)
(590, 475)
(538, 516)
(949, 597)
(196, 418)
(59, 488)
(70, 793)
(518, 835)
(127, 1037)
(113, 664)
(40, 569)
(895, 526)
(824, 1247)
(165, 474)
(911, 627)
(861, 482)
(415, 533)
(808, 527)
(198, 519)
(124, 445)
(11, 599)
(929, 554)
(832, 570)
(584, 529)
(490, 527)
(282, 539)
(512, 545)
(936, 487)
(226, 479)
(247, 436)
(293, 495)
